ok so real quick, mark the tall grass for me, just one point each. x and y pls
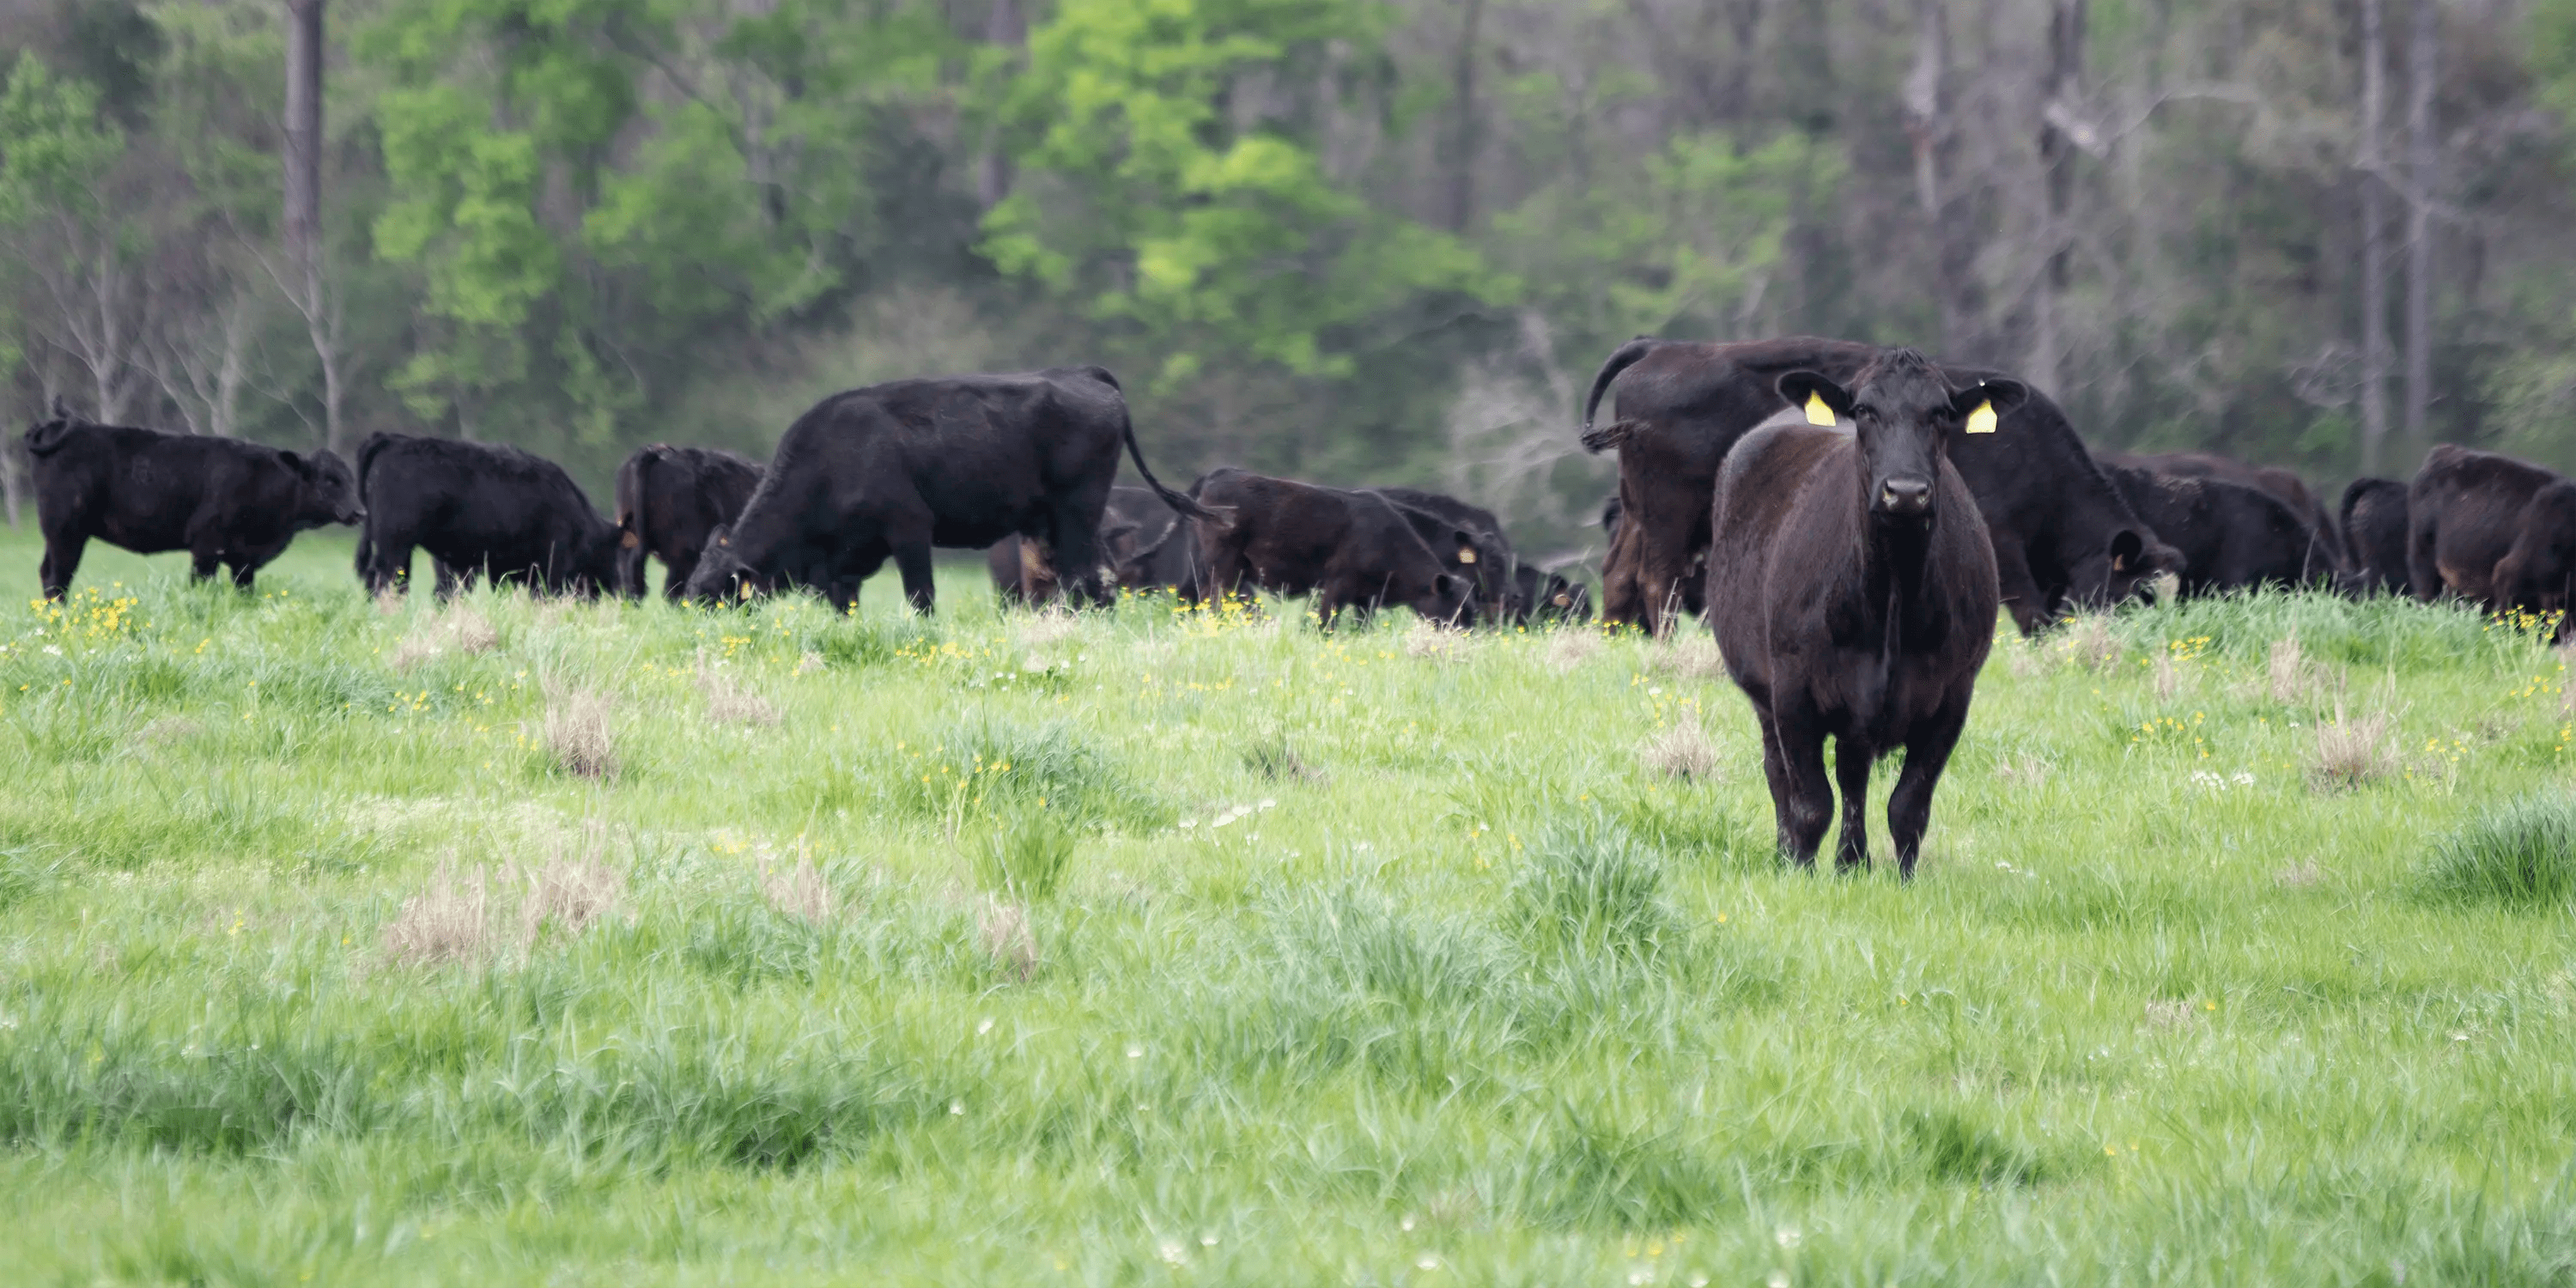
(1442, 980)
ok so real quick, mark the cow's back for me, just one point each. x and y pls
(2464, 513)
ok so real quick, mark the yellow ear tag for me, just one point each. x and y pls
(1817, 412)
(1982, 420)
(1466, 556)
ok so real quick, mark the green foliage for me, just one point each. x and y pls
(2523, 854)
(1210, 232)
(55, 152)
(1026, 857)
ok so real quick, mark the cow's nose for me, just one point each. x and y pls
(1905, 496)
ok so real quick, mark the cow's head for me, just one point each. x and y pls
(1448, 599)
(2131, 564)
(2534, 575)
(326, 491)
(1565, 601)
(1902, 412)
(722, 575)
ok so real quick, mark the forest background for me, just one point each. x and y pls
(1348, 240)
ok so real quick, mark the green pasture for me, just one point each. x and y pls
(1150, 949)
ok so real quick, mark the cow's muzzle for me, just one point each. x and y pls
(1910, 498)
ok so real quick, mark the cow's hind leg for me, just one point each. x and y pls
(1851, 774)
(62, 559)
(912, 560)
(1927, 752)
(1077, 552)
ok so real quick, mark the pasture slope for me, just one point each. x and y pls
(1382, 959)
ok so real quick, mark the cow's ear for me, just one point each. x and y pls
(1981, 404)
(1466, 546)
(1449, 584)
(296, 463)
(2126, 546)
(1825, 402)
(62, 410)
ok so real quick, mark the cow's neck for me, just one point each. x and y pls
(1894, 559)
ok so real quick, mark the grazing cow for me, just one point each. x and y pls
(2231, 536)
(1023, 572)
(2061, 532)
(224, 501)
(478, 508)
(2374, 534)
(1468, 539)
(1349, 548)
(2283, 484)
(893, 470)
(2489, 529)
(668, 500)
(1547, 597)
(1853, 590)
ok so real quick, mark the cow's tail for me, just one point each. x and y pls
(1182, 503)
(1620, 359)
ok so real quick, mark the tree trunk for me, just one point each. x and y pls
(2374, 244)
(1007, 27)
(2058, 93)
(303, 201)
(1461, 203)
(2422, 180)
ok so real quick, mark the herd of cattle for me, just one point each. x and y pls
(1849, 518)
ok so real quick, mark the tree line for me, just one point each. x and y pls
(1382, 240)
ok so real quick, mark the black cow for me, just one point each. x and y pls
(896, 469)
(2374, 534)
(478, 508)
(1547, 597)
(2061, 532)
(1349, 548)
(1023, 569)
(2281, 483)
(1469, 541)
(224, 501)
(1853, 590)
(668, 500)
(2489, 529)
(2231, 537)
(1177, 564)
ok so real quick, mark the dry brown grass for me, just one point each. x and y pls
(729, 701)
(2174, 1013)
(2024, 770)
(1051, 625)
(167, 730)
(451, 921)
(799, 891)
(2168, 677)
(455, 629)
(1692, 655)
(1684, 751)
(1004, 930)
(569, 894)
(2292, 677)
(808, 662)
(577, 731)
(389, 601)
(2352, 751)
(1571, 648)
(464, 919)
(2088, 642)
(1435, 643)
(2299, 876)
